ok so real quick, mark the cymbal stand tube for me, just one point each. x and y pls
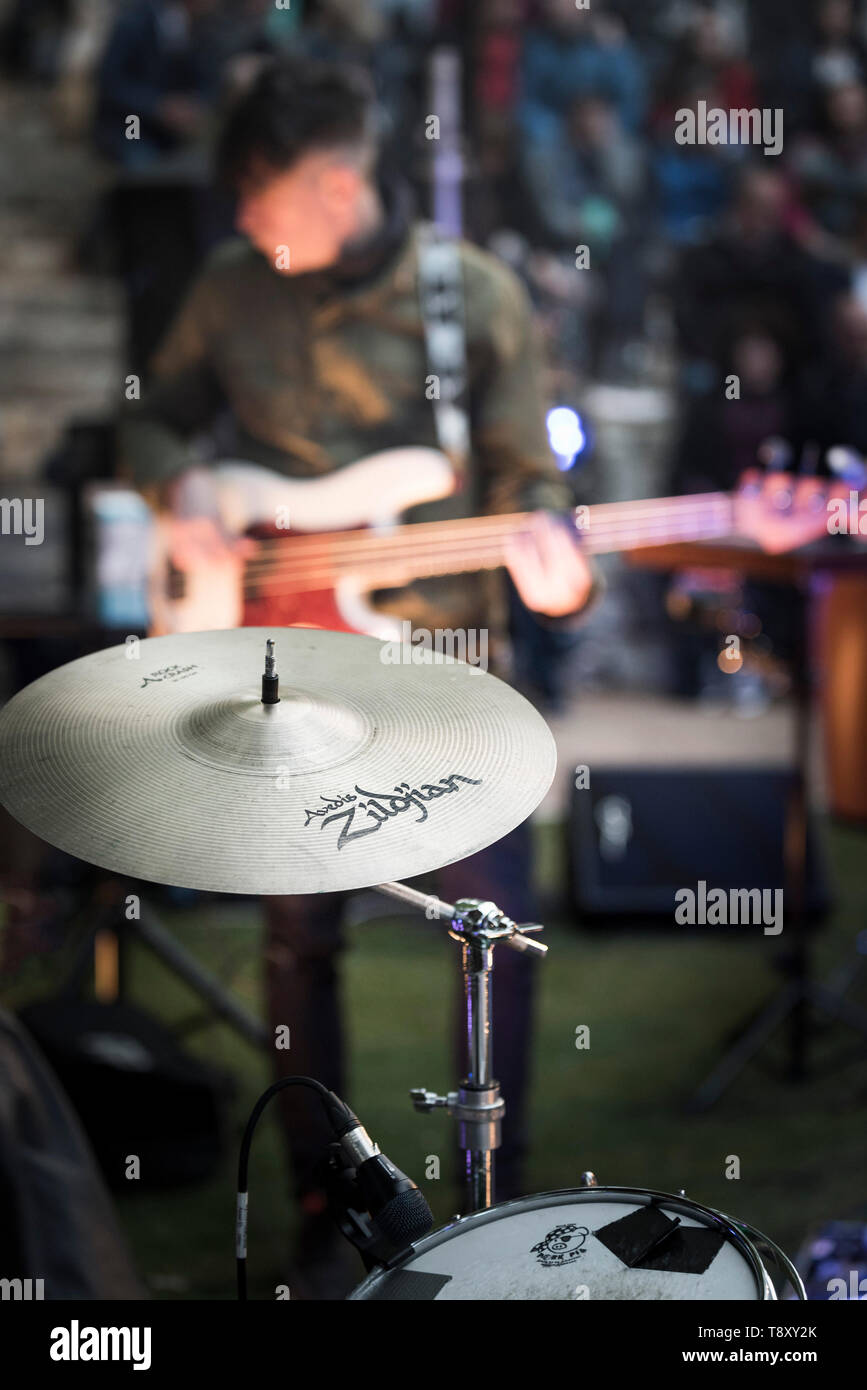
(477, 1104)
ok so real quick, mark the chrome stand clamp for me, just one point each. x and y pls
(477, 1105)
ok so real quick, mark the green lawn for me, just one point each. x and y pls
(657, 1006)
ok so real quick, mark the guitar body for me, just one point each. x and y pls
(258, 502)
(313, 608)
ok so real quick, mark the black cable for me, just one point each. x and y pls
(341, 1118)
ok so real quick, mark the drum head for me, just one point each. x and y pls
(594, 1243)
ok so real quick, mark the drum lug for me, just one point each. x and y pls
(589, 1179)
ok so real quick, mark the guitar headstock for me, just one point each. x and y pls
(781, 511)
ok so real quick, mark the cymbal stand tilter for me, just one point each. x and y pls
(477, 1104)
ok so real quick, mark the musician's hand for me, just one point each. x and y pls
(549, 569)
(199, 542)
(196, 537)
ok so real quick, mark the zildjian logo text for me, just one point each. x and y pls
(373, 809)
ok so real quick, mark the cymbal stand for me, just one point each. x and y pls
(477, 1104)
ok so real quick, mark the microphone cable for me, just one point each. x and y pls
(339, 1115)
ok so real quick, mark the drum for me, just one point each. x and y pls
(594, 1243)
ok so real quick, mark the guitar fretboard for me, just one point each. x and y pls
(390, 558)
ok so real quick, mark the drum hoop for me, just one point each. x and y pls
(733, 1230)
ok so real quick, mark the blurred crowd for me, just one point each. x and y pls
(568, 141)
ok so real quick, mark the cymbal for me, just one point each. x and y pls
(169, 767)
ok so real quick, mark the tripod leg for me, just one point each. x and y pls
(835, 1006)
(173, 955)
(746, 1047)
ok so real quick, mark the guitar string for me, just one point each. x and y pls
(380, 549)
(369, 548)
(440, 556)
(446, 559)
(460, 527)
(598, 514)
(490, 556)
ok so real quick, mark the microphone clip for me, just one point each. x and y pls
(349, 1211)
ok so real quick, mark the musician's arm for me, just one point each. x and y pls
(181, 399)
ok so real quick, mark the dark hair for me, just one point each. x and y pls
(291, 108)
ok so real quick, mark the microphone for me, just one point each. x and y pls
(394, 1201)
(396, 1208)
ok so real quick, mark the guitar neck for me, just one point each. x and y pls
(474, 543)
(615, 526)
(425, 549)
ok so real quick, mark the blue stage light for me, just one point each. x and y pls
(566, 435)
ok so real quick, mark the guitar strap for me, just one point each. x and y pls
(441, 297)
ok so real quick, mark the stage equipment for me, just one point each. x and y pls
(160, 760)
(638, 834)
(180, 759)
(592, 1243)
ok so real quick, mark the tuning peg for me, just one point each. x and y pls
(775, 454)
(847, 464)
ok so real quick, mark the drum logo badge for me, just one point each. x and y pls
(562, 1246)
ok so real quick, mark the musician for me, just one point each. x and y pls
(306, 334)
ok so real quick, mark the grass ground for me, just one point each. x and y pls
(658, 1007)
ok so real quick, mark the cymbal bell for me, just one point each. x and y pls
(166, 765)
